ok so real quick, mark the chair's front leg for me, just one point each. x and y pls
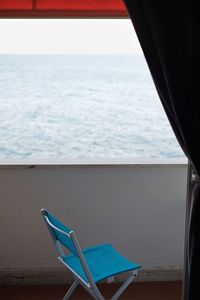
(71, 290)
(93, 291)
(96, 293)
(124, 286)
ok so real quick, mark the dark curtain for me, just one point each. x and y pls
(168, 33)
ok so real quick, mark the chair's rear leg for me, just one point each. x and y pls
(71, 290)
(124, 286)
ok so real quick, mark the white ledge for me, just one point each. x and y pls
(90, 162)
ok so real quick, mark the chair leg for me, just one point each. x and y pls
(124, 286)
(71, 290)
(97, 295)
(94, 292)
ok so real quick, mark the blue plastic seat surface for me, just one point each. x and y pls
(103, 261)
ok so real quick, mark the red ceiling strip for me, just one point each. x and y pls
(16, 4)
(62, 8)
(81, 4)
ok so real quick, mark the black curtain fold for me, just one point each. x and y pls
(168, 33)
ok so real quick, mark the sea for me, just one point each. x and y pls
(81, 107)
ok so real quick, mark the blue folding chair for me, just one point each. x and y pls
(90, 265)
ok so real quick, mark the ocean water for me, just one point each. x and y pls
(80, 107)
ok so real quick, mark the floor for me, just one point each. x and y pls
(136, 291)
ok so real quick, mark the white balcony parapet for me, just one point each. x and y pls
(145, 200)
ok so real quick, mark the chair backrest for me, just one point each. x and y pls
(59, 232)
(65, 236)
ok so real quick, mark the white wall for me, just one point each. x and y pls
(140, 209)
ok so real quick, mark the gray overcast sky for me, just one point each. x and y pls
(68, 36)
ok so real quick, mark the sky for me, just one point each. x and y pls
(79, 36)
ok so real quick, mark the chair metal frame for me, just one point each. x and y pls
(89, 286)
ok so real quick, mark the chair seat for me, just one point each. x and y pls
(103, 261)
